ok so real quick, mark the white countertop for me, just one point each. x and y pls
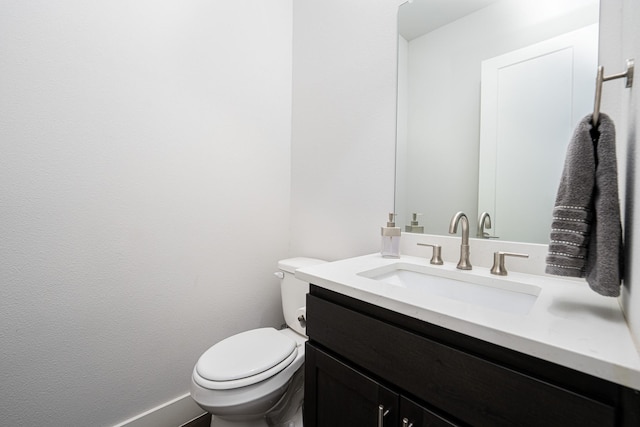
(569, 324)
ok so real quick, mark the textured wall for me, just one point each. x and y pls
(144, 196)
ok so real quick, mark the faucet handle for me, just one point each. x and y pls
(436, 258)
(498, 262)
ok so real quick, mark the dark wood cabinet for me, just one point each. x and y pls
(413, 414)
(364, 362)
(345, 397)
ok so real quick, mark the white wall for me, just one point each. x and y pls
(620, 40)
(343, 128)
(144, 196)
(444, 99)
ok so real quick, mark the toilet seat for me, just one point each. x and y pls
(245, 359)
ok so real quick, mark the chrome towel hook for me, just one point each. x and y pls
(601, 79)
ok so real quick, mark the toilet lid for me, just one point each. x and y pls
(246, 354)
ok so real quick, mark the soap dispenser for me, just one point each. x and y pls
(391, 239)
(414, 227)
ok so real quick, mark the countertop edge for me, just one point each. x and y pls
(612, 370)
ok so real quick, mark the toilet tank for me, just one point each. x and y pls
(294, 291)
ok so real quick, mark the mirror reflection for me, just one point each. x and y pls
(489, 92)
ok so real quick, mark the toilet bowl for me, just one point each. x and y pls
(255, 378)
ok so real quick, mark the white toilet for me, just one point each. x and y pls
(255, 378)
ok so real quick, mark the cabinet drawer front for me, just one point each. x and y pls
(473, 390)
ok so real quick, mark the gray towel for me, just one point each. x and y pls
(586, 235)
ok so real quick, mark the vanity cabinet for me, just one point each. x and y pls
(368, 366)
(347, 397)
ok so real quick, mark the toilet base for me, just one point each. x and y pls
(294, 422)
(287, 412)
(219, 422)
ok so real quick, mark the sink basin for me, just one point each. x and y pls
(500, 294)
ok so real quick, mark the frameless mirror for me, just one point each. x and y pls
(489, 92)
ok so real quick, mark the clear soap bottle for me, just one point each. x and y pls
(391, 239)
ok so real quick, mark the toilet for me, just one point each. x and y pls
(256, 378)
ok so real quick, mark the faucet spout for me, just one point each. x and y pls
(460, 217)
(483, 221)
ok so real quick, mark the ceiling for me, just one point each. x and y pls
(419, 17)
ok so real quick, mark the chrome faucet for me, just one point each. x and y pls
(464, 263)
(483, 221)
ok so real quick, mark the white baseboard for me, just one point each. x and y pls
(173, 413)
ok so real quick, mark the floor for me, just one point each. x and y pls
(202, 421)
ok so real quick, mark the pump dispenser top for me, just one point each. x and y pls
(414, 227)
(391, 222)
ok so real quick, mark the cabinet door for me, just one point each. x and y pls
(414, 415)
(338, 396)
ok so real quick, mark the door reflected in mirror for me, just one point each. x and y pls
(496, 145)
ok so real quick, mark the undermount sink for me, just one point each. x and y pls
(500, 294)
